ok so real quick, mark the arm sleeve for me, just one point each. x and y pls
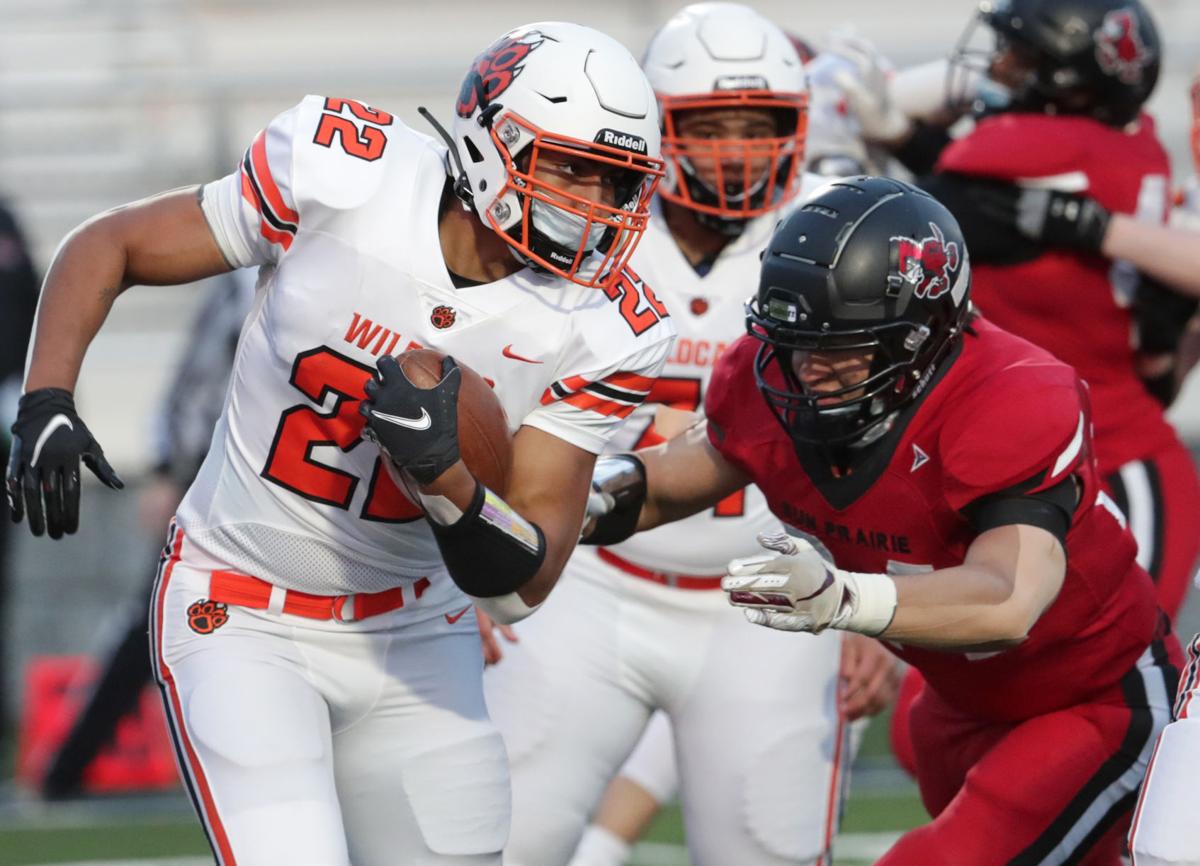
(921, 152)
(253, 212)
(1049, 508)
(587, 408)
(991, 240)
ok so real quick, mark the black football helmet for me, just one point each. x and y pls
(1098, 58)
(869, 263)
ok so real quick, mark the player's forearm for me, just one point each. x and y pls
(1171, 255)
(958, 607)
(685, 476)
(1010, 576)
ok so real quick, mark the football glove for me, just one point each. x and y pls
(866, 85)
(42, 482)
(793, 588)
(416, 428)
(1062, 219)
(1047, 216)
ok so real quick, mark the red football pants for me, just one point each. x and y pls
(1053, 789)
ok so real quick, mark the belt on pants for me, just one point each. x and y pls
(666, 578)
(231, 587)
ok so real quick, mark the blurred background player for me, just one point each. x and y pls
(18, 300)
(311, 632)
(1058, 87)
(935, 478)
(641, 625)
(190, 410)
(833, 147)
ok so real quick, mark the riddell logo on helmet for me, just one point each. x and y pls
(494, 70)
(1119, 47)
(927, 265)
(741, 82)
(623, 140)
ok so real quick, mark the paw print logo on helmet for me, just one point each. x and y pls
(558, 136)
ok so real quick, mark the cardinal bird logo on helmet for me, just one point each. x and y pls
(1119, 47)
(927, 265)
(495, 69)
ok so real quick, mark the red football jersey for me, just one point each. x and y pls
(1005, 412)
(1077, 305)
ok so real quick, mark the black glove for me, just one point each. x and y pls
(1049, 217)
(1062, 219)
(49, 438)
(417, 428)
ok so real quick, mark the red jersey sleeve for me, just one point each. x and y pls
(1012, 146)
(1026, 422)
(739, 420)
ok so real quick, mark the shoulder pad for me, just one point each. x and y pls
(342, 150)
(995, 438)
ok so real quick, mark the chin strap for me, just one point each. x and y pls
(462, 185)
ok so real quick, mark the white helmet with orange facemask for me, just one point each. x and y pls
(537, 94)
(727, 56)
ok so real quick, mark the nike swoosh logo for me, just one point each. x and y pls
(456, 617)
(421, 422)
(509, 353)
(57, 421)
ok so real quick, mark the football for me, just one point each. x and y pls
(483, 437)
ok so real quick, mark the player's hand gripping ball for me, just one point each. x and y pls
(791, 588)
(425, 411)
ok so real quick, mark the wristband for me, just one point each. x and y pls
(868, 603)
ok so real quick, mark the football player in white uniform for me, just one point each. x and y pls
(312, 628)
(640, 625)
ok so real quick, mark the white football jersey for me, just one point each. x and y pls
(709, 313)
(338, 204)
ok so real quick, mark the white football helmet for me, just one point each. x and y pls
(726, 55)
(554, 87)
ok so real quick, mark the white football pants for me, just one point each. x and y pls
(1164, 831)
(759, 743)
(321, 743)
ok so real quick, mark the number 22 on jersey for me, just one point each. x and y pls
(291, 463)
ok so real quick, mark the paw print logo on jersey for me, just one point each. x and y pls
(494, 70)
(1119, 48)
(205, 617)
(442, 317)
(928, 264)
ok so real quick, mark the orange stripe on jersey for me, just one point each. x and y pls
(630, 381)
(284, 239)
(599, 405)
(262, 172)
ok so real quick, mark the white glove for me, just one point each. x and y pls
(795, 589)
(866, 83)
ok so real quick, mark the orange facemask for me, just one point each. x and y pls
(606, 235)
(746, 177)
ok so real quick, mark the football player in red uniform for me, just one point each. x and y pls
(1078, 74)
(936, 478)
(1062, 95)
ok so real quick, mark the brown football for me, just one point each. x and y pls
(483, 437)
